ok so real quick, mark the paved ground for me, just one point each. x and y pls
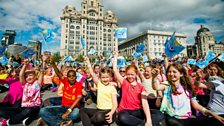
(46, 95)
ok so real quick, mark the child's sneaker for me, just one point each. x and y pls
(40, 122)
(3, 122)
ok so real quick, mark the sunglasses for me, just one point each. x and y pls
(122, 71)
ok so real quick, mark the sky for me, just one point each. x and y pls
(28, 18)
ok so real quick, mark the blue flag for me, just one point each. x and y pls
(91, 51)
(140, 48)
(28, 53)
(120, 33)
(191, 61)
(144, 58)
(202, 63)
(221, 57)
(3, 60)
(210, 56)
(136, 55)
(121, 62)
(173, 47)
(82, 43)
(48, 35)
(69, 59)
(2, 50)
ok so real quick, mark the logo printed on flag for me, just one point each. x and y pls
(2, 50)
(69, 59)
(3, 60)
(28, 53)
(91, 51)
(191, 61)
(173, 47)
(48, 35)
(120, 62)
(140, 48)
(120, 33)
(202, 63)
(210, 55)
(82, 43)
(144, 58)
(136, 55)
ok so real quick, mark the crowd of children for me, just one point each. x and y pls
(169, 94)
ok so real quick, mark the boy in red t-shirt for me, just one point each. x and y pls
(72, 94)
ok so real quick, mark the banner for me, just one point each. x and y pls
(2, 50)
(120, 33)
(82, 43)
(28, 53)
(140, 48)
(173, 47)
(191, 61)
(210, 56)
(48, 35)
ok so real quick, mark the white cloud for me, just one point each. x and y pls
(137, 15)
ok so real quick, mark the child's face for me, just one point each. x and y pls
(213, 71)
(88, 75)
(173, 75)
(148, 73)
(131, 75)
(105, 78)
(64, 73)
(122, 72)
(97, 69)
(71, 77)
(30, 77)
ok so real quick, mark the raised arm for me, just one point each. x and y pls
(166, 61)
(139, 72)
(22, 71)
(95, 79)
(58, 73)
(155, 82)
(115, 69)
(41, 77)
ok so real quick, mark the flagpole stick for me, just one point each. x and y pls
(45, 42)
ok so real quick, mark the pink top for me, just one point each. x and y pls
(31, 95)
(131, 96)
(161, 78)
(15, 90)
(198, 91)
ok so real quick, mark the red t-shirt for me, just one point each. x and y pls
(70, 93)
(131, 96)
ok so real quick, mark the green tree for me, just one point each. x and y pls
(56, 57)
(80, 58)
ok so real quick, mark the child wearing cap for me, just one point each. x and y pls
(31, 99)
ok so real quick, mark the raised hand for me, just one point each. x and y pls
(155, 72)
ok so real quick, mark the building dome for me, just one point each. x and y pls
(202, 30)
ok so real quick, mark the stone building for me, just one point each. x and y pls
(95, 26)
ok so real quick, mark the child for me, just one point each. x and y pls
(31, 99)
(89, 89)
(133, 108)
(106, 100)
(48, 80)
(178, 98)
(146, 79)
(14, 95)
(72, 94)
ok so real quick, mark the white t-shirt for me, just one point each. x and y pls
(216, 102)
